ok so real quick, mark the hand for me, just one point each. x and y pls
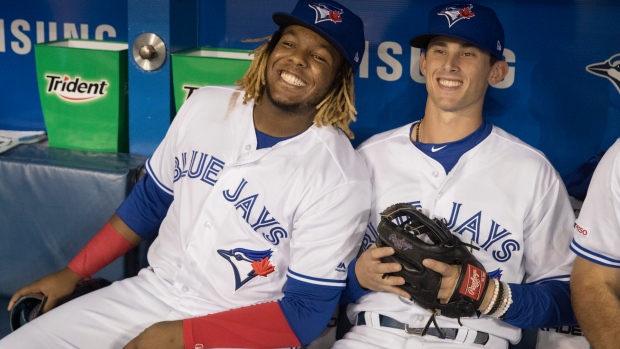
(450, 277)
(55, 286)
(370, 271)
(162, 335)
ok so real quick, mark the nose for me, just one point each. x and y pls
(298, 58)
(451, 62)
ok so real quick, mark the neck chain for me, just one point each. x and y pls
(417, 131)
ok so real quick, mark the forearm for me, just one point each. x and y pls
(540, 305)
(257, 326)
(598, 311)
(112, 241)
(595, 291)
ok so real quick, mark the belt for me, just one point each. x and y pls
(449, 333)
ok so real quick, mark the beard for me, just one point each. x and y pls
(294, 107)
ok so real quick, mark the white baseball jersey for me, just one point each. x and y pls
(297, 208)
(241, 221)
(502, 195)
(597, 230)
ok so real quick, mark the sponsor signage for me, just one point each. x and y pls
(83, 93)
(192, 69)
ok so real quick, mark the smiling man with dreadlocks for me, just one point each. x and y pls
(257, 203)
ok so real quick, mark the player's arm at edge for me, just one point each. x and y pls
(137, 218)
(595, 296)
(298, 318)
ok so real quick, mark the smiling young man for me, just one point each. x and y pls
(258, 201)
(493, 190)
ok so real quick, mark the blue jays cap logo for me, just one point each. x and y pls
(327, 12)
(457, 12)
(248, 264)
(609, 69)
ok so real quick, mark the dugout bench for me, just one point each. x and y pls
(52, 201)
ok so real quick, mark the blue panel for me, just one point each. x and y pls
(550, 100)
(151, 104)
(24, 23)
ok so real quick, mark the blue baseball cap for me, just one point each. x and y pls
(471, 22)
(334, 22)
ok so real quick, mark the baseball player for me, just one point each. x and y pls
(595, 279)
(259, 202)
(493, 190)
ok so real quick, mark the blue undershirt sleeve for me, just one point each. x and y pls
(354, 291)
(541, 305)
(308, 308)
(145, 208)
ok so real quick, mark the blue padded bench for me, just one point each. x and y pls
(52, 201)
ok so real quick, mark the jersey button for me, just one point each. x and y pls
(435, 173)
(248, 147)
(184, 288)
(208, 225)
(420, 317)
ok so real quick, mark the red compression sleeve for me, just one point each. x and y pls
(257, 326)
(101, 250)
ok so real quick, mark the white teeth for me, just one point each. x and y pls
(450, 83)
(292, 79)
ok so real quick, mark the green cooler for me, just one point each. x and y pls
(83, 91)
(195, 68)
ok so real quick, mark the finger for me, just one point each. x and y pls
(386, 268)
(437, 266)
(50, 304)
(391, 280)
(18, 294)
(380, 252)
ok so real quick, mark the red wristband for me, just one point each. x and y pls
(258, 326)
(101, 250)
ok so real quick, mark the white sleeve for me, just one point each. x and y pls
(547, 234)
(597, 230)
(328, 235)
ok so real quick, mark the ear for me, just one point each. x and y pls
(498, 72)
(423, 63)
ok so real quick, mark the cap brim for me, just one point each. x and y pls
(421, 41)
(284, 20)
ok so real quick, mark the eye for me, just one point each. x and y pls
(287, 44)
(319, 58)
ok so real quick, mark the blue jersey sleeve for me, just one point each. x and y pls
(353, 291)
(145, 208)
(308, 307)
(541, 305)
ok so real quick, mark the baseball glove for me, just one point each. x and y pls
(415, 237)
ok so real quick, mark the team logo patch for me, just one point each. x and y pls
(248, 264)
(583, 231)
(456, 13)
(609, 69)
(326, 12)
(475, 280)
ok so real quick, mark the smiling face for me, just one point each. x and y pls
(301, 70)
(458, 74)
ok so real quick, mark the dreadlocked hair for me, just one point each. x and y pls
(338, 107)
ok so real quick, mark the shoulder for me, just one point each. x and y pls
(384, 139)
(508, 145)
(332, 149)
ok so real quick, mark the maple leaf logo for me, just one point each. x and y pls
(263, 267)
